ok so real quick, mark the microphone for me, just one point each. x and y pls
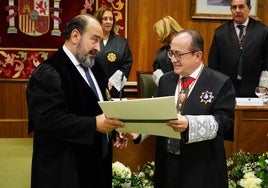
(121, 90)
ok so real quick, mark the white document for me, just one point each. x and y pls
(117, 81)
(146, 116)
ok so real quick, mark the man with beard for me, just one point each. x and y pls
(71, 144)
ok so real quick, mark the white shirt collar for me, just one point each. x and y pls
(197, 72)
(80, 70)
(244, 24)
(70, 55)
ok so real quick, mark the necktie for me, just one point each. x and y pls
(241, 31)
(185, 83)
(173, 145)
(90, 81)
(93, 87)
(240, 62)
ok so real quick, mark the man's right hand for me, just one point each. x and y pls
(106, 125)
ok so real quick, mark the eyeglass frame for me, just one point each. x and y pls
(178, 55)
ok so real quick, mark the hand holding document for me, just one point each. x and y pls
(146, 116)
(118, 80)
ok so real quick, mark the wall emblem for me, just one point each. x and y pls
(33, 17)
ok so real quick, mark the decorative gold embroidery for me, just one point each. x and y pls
(182, 97)
(108, 95)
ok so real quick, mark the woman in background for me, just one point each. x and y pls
(165, 29)
(115, 56)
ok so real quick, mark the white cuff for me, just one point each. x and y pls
(264, 79)
(202, 127)
(156, 76)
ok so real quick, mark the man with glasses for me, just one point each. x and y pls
(240, 49)
(205, 101)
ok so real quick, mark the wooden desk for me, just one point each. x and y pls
(136, 154)
(130, 90)
(251, 129)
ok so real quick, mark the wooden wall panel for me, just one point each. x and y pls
(143, 40)
(13, 109)
(12, 99)
(14, 128)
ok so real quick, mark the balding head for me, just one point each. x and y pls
(81, 23)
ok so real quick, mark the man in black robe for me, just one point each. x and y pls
(71, 146)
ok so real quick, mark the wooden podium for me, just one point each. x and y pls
(136, 154)
(251, 130)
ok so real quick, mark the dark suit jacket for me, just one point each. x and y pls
(162, 61)
(225, 52)
(203, 164)
(67, 150)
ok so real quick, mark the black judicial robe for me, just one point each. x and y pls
(162, 61)
(116, 55)
(203, 164)
(225, 53)
(67, 149)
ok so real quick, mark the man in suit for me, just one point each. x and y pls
(206, 117)
(71, 148)
(244, 57)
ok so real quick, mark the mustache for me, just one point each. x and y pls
(93, 52)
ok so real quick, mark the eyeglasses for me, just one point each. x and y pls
(177, 55)
(240, 7)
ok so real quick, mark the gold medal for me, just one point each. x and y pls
(182, 96)
(111, 57)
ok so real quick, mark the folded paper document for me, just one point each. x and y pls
(147, 116)
(118, 80)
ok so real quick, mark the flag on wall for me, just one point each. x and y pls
(33, 16)
(31, 30)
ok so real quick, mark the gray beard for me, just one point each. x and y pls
(88, 62)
